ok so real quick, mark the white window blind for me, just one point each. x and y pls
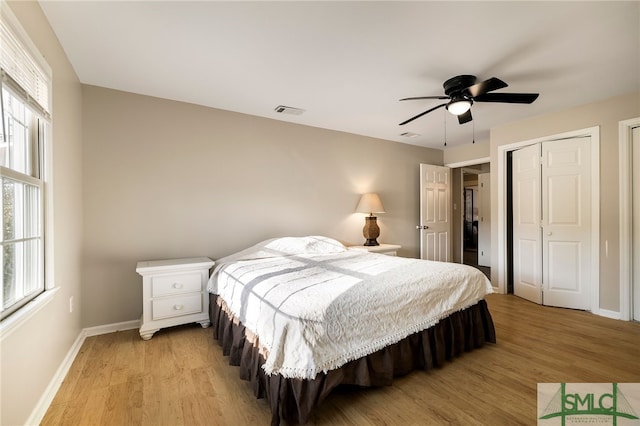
(21, 68)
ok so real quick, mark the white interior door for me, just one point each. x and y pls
(527, 241)
(435, 213)
(635, 170)
(484, 219)
(566, 222)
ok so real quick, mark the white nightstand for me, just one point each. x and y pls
(388, 249)
(174, 292)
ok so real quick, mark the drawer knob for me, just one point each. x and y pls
(178, 307)
(177, 285)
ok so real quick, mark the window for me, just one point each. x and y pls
(24, 107)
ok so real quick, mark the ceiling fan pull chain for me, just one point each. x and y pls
(474, 132)
(445, 128)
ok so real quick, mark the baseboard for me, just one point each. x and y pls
(50, 392)
(608, 314)
(111, 328)
(45, 400)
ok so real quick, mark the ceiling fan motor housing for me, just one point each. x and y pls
(455, 86)
(461, 99)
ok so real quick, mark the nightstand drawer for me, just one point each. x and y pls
(165, 285)
(176, 306)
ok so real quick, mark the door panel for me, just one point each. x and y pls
(443, 247)
(564, 200)
(564, 273)
(527, 245)
(429, 244)
(528, 274)
(566, 206)
(429, 211)
(435, 213)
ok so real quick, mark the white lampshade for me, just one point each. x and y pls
(457, 107)
(370, 203)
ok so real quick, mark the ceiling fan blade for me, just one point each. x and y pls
(421, 114)
(465, 118)
(425, 97)
(509, 98)
(486, 86)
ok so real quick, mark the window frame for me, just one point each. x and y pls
(36, 129)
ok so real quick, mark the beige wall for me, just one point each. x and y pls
(33, 353)
(467, 153)
(605, 114)
(165, 179)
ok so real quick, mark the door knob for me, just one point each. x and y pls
(422, 227)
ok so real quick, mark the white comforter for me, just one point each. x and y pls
(315, 305)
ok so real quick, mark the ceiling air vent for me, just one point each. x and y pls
(409, 134)
(282, 109)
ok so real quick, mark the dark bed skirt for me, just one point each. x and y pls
(295, 399)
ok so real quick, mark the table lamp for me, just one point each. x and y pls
(370, 203)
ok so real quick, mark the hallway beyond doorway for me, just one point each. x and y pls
(471, 258)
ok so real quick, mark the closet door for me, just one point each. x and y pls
(527, 240)
(552, 222)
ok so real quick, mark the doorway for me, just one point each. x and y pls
(475, 217)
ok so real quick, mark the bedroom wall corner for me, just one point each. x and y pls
(33, 353)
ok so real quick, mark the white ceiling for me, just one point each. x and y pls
(348, 63)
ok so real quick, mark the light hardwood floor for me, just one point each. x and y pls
(180, 377)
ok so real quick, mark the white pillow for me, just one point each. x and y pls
(305, 245)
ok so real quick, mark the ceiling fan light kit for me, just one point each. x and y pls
(462, 91)
(459, 106)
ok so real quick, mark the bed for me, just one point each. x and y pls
(303, 315)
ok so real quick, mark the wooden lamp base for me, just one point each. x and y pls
(371, 231)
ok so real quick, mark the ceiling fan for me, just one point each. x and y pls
(462, 91)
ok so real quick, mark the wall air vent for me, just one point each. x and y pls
(409, 135)
(282, 109)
